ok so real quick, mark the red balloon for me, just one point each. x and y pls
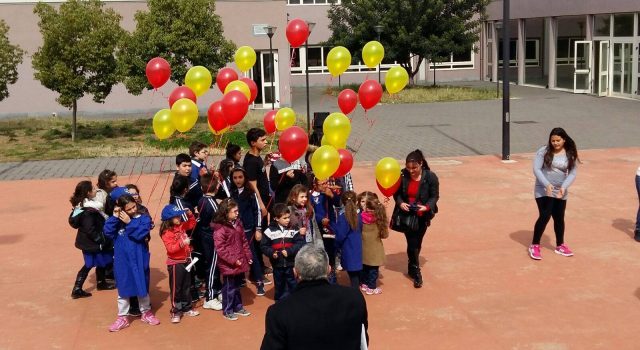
(346, 163)
(252, 87)
(181, 92)
(158, 71)
(293, 143)
(347, 101)
(388, 192)
(297, 32)
(270, 121)
(224, 77)
(234, 106)
(216, 117)
(370, 93)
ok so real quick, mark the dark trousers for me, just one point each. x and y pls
(330, 248)
(231, 298)
(370, 275)
(637, 233)
(414, 245)
(354, 278)
(212, 272)
(200, 269)
(284, 281)
(256, 272)
(549, 207)
(179, 286)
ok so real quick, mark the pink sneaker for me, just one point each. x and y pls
(363, 287)
(150, 318)
(563, 250)
(374, 291)
(120, 323)
(534, 252)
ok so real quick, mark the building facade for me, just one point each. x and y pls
(586, 46)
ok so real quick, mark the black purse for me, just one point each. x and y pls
(404, 221)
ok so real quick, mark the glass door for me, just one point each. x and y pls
(582, 58)
(603, 64)
(267, 80)
(622, 69)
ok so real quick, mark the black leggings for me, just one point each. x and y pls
(414, 245)
(549, 207)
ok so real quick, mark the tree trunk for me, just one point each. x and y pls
(73, 122)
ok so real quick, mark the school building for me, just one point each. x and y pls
(583, 46)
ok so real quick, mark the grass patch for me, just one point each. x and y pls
(50, 138)
(427, 94)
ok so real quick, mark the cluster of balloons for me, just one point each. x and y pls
(388, 176)
(238, 94)
(332, 159)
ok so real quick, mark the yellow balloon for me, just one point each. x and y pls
(396, 79)
(324, 142)
(285, 118)
(184, 114)
(198, 79)
(387, 172)
(240, 86)
(217, 132)
(338, 60)
(162, 125)
(324, 162)
(245, 58)
(372, 54)
(336, 129)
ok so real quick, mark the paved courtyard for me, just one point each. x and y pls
(439, 129)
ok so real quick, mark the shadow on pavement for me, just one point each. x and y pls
(524, 237)
(625, 225)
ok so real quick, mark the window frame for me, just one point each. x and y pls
(323, 69)
(325, 3)
(455, 65)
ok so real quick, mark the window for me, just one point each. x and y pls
(623, 24)
(312, 2)
(513, 53)
(602, 25)
(531, 53)
(456, 61)
(317, 56)
(565, 49)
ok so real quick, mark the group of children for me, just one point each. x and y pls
(218, 225)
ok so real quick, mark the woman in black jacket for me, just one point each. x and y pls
(96, 249)
(417, 196)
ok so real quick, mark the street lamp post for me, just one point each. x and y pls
(379, 29)
(270, 31)
(498, 26)
(506, 58)
(306, 70)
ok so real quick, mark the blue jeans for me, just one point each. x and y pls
(638, 214)
(370, 276)
(284, 281)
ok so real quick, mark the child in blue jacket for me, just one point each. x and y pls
(348, 229)
(128, 229)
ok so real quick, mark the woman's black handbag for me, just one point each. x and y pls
(404, 221)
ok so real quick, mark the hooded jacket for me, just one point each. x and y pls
(231, 246)
(173, 239)
(278, 238)
(89, 222)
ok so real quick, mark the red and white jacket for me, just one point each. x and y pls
(173, 239)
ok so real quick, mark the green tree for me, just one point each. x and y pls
(10, 58)
(413, 30)
(77, 56)
(184, 32)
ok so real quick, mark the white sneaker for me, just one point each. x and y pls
(213, 304)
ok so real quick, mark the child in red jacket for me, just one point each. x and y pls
(234, 257)
(174, 236)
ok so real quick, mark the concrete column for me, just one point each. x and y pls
(521, 50)
(589, 27)
(552, 29)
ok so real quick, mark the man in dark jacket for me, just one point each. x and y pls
(336, 319)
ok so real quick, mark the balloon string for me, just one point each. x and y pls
(135, 161)
(144, 165)
(158, 178)
(273, 141)
(293, 57)
(161, 196)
